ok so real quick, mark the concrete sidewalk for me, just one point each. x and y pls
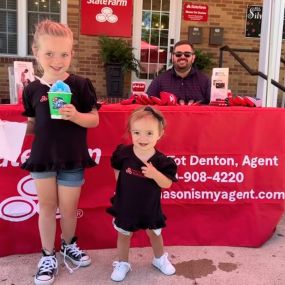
(195, 265)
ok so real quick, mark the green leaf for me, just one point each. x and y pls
(117, 50)
(203, 61)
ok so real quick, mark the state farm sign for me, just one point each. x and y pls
(107, 17)
(195, 12)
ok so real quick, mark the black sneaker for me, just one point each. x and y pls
(73, 253)
(47, 269)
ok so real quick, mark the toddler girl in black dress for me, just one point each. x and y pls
(141, 171)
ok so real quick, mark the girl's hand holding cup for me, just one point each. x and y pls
(68, 112)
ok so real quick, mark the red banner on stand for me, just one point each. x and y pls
(230, 189)
(106, 17)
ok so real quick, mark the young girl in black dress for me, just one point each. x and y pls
(141, 171)
(59, 152)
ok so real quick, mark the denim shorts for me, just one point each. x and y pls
(70, 178)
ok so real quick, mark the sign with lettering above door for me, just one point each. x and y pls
(107, 17)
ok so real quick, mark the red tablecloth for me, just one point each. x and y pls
(231, 185)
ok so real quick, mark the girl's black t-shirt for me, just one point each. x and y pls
(58, 144)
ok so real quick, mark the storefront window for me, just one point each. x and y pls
(8, 26)
(154, 37)
(40, 10)
(18, 19)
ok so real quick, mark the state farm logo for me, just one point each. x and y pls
(107, 15)
(138, 86)
(25, 206)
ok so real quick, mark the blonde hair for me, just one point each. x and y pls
(51, 28)
(146, 111)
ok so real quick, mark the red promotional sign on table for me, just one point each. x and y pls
(105, 17)
(195, 12)
(230, 188)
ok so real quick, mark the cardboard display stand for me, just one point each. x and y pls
(23, 75)
(220, 81)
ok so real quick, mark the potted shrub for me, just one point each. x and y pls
(203, 61)
(118, 58)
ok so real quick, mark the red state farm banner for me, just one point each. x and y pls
(230, 189)
(106, 17)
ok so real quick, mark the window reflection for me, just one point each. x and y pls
(156, 5)
(39, 10)
(12, 43)
(147, 5)
(11, 4)
(164, 21)
(3, 26)
(153, 59)
(165, 6)
(164, 38)
(154, 37)
(44, 5)
(146, 20)
(33, 5)
(8, 26)
(12, 22)
(155, 20)
(3, 43)
(55, 6)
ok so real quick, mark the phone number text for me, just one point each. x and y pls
(219, 177)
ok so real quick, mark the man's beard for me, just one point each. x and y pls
(186, 68)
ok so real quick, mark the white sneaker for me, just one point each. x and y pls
(121, 268)
(164, 265)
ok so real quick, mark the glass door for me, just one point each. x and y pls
(156, 27)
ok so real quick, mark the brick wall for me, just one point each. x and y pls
(229, 14)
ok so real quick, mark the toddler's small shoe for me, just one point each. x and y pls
(121, 268)
(163, 264)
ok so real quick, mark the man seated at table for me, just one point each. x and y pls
(183, 80)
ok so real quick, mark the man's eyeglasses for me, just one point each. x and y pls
(185, 53)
